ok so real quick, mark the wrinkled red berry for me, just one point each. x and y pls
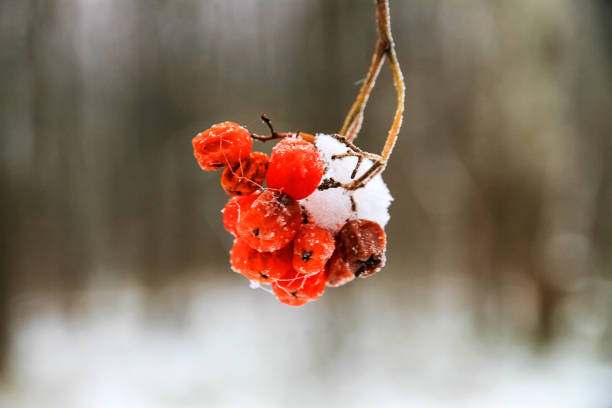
(235, 209)
(312, 248)
(247, 176)
(264, 267)
(360, 250)
(295, 168)
(271, 222)
(295, 289)
(224, 144)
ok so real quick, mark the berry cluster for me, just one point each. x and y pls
(276, 241)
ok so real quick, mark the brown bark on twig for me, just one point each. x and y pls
(385, 48)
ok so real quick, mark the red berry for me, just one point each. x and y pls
(271, 222)
(295, 289)
(247, 176)
(312, 248)
(264, 267)
(235, 209)
(224, 144)
(360, 250)
(295, 168)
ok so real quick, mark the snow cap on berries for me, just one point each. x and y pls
(331, 208)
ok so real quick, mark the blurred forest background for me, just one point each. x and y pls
(502, 175)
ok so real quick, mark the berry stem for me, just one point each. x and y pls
(275, 135)
(385, 47)
(354, 118)
(268, 123)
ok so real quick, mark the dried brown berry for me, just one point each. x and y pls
(337, 270)
(360, 252)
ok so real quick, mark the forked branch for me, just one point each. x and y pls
(385, 47)
(275, 135)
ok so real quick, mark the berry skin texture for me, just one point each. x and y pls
(224, 144)
(294, 289)
(247, 176)
(271, 222)
(338, 271)
(360, 250)
(235, 209)
(264, 267)
(312, 247)
(295, 168)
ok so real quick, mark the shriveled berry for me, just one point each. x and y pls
(312, 248)
(295, 289)
(271, 222)
(295, 168)
(337, 270)
(235, 209)
(224, 144)
(246, 176)
(264, 267)
(360, 250)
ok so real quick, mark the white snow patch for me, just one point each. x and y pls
(331, 208)
(328, 208)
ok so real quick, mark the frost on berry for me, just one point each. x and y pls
(295, 168)
(295, 289)
(360, 250)
(246, 176)
(338, 270)
(224, 144)
(271, 222)
(312, 248)
(264, 267)
(235, 209)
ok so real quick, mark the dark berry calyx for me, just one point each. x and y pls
(306, 255)
(372, 263)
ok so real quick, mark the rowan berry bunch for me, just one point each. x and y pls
(311, 214)
(276, 241)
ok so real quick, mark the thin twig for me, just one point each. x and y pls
(275, 135)
(268, 123)
(354, 119)
(268, 138)
(384, 46)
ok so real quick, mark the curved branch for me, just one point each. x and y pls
(384, 47)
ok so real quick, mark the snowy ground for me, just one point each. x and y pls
(224, 345)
